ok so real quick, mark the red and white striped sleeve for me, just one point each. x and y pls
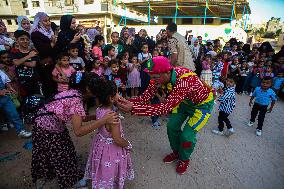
(146, 97)
(178, 94)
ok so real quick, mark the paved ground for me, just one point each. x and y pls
(243, 161)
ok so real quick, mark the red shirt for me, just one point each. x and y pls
(189, 87)
(224, 72)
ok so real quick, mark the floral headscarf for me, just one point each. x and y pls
(19, 20)
(37, 26)
(92, 32)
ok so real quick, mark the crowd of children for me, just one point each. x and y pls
(258, 72)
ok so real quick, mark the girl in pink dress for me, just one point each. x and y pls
(98, 68)
(62, 72)
(133, 78)
(109, 163)
(97, 47)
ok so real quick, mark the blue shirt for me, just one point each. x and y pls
(263, 97)
(228, 100)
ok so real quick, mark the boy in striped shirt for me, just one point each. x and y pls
(227, 105)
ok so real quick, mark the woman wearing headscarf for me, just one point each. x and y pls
(126, 40)
(5, 41)
(24, 23)
(197, 51)
(44, 41)
(68, 35)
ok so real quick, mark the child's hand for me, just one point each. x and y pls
(4, 92)
(33, 53)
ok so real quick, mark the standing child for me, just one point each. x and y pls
(263, 96)
(25, 61)
(244, 72)
(113, 76)
(122, 71)
(206, 74)
(110, 56)
(97, 47)
(75, 61)
(143, 57)
(98, 68)
(8, 106)
(257, 75)
(155, 53)
(134, 81)
(118, 48)
(268, 72)
(227, 105)
(234, 68)
(62, 72)
(109, 163)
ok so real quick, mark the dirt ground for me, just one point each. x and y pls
(242, 161)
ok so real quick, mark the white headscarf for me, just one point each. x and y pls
(19, 20)
(37, 26)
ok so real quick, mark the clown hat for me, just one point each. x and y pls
(159, 64)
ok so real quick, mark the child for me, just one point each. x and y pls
(227, 105)
(143, 57)
(114, 43)
(134, 81)
(8, 107)
(76, 62)
(7, 66)
(234, 68)
(158, 98)
(268, 72)
(25, 61)
(113, 76)
(62, 72)
(206, 74)
(227, 47)
(234, 50)
(110, 56)
(109, 162)
(122, 71)
(98, 68)
(216, 74)
(155, 53)
(97, 47)
(225, 60)
(264, 96)
(244, 72)
(257, 75)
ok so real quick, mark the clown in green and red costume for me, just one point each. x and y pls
(189, 103)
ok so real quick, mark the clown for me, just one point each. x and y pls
(189, 102)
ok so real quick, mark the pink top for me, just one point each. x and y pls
(97, 52)
(69, 103)
(68, 72)
(98, 71)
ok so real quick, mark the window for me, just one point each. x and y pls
(52, 3)
(224, 21)
(9, 22)
(208, 21)
(86, 2)
(167, 20)
(35, 3)
(16, 21)
(69, 2)
(7, 3)
(24, 4)
(187, 21)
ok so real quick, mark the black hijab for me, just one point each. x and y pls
(65, 23)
